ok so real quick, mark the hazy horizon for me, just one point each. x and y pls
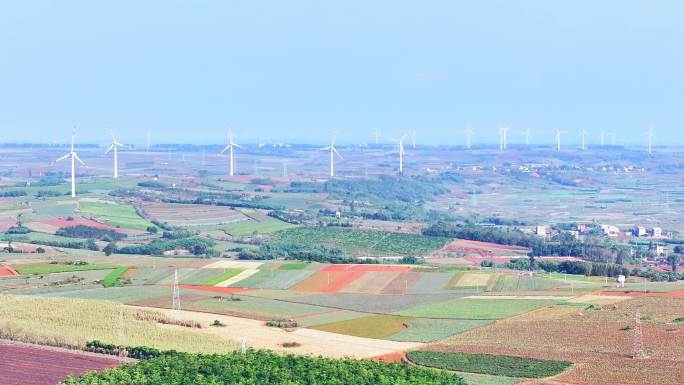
(303, 71)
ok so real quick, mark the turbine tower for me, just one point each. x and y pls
(230, 147)
(114, 146)
(413, 138)
(503, 137)
(584, 134)
(377, 135)
(469, 133)
(333, 152)
(612, 142)
(650, 135)
(74, 157)
(148, 143)
(527, 137)
(603, 135)
(558, 139)
(400, 142)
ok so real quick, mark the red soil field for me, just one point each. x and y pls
(366, 268)
(6, 270)
(216, 289)
(328, 281)
(77, 222)
(396, 357)
(28, 364)
(636, 294)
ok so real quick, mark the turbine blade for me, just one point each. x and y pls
(324, 148)
(338, 154)
(79, 159)
(238, 146)
(111, 146)
(62, 158)
(225, 149)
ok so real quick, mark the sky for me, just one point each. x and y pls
(303, 71)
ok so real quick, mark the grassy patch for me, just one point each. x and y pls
(477, 309)
(489, 364)
(380, 326)
(230, 273)
(47, 268)
(294, 266)
(678, 320)
(264, 227)
(115, 215)
(113, 278)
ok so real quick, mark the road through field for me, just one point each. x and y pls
(314, 342)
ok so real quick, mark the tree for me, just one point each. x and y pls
(110, 248)
(674, 260)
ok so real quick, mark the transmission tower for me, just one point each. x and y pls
(638, 343)
(176, 305)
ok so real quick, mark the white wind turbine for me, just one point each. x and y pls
(333, 152)
(527, 136)
(230, 147)
(400, 142)
(584, 134)
(148, 143)
(377, 135)
(612, 143)
(469, 132)
(503, 137)
(650, 135)
(114, 146)
(74, 158)
(558, 139)
(603, 137)
(413, 138)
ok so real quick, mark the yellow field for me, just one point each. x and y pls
(71, 323)
(473, 280)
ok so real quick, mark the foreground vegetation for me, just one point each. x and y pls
(489, 364)
(263, 367)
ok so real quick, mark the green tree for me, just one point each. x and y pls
(110, 248)
(674, 260)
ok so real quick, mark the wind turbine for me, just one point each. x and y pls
(469, 132)
(558, 139)
(333, 151)
(400, 142)
(612, 143)
(230, 147)
(584, 134)
(650, 135)
(603, 134)
(527, 137)
(148, 142)
(114, 146)
(503, 137)
(74, 158)
(377, 135)
(413, 138)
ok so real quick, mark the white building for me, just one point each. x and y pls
(540, 231)
(610, 230)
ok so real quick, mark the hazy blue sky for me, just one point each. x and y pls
(302, 70)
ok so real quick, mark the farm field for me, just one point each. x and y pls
(73, 322)
(193, 215)
(114, 215)
(47, 366)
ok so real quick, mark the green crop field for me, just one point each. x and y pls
(115, 215)
(47, 268)
(378, 326)
(477, 309)
(250, 227)
(489, 364)
(228, 274)
(113, 278)
(429, 330)
(361, 242)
